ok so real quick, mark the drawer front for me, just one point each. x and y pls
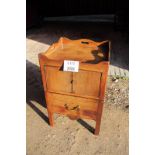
(72, 106)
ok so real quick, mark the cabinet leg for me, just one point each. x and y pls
(51, 119)
(98, 118)
(97, 128)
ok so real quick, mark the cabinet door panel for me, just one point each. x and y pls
(86, 83)
(58, 80)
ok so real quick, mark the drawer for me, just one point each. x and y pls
(74, 107)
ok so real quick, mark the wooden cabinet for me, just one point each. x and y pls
(75, 94)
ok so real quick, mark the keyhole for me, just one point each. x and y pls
(71, 81)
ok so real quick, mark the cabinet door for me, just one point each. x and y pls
(58, 80)
(86, 83)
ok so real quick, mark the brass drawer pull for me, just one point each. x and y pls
(77, 108)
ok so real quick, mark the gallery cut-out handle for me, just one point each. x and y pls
(84, 42)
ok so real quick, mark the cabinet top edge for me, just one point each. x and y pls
(83, 50)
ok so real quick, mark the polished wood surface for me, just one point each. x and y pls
(75, 94)
(83, 84)
(82, 50)
(57, 80)
(70, 105)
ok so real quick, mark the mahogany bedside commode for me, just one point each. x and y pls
(75, 94)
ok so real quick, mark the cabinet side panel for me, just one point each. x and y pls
(41, 62)
(102, 95)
